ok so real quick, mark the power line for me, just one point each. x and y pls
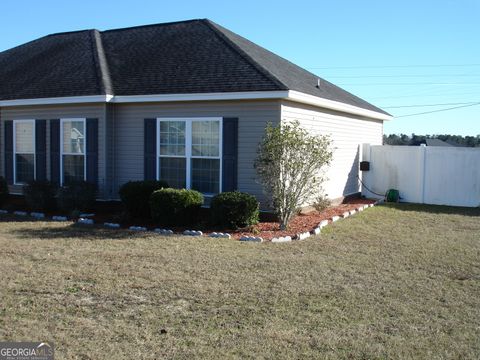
(417, 83)
(425, 105)
(435, 111)
(401, 76)
(393, 66)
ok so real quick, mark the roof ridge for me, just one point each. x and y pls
(101, 63)
(153, 25)
(212, 26)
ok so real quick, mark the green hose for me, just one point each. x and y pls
(392, 195)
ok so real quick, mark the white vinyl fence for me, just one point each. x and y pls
(423, 174)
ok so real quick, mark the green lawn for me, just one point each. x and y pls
(392, 282)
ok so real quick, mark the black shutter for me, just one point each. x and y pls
(92, 151)
(55, 151)
(41, 149)
(230, 154)
(150, 149)
(9, 151)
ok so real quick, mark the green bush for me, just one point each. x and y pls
(76, 196)
(135, 195)
(234, 209)
(175, 207)
(40, 195)
(3, 191)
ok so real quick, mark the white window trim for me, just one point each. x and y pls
(188, 147)
(62, 121)
(15, 122)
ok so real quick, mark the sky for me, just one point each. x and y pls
(397, 55)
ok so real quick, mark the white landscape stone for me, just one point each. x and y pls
(346, 214)
(37, 215)
(111, 225)
(316, 231)
(360, 208)
(192, 233)
(3, 212)
(20, 213)
(322, 224)
(220, 235)
(59, 218)
(352, 212)
(163, 231)
(282, 239)
(136, 228)
(335, 218)
(84, 221)
(303, 236)
(251, 238)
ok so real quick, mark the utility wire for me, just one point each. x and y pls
(435, 111)
(401, 76)
(425, 105)
(415, 83)
(393, 66)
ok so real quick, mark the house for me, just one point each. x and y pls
(186, 102)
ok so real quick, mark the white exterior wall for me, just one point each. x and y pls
(347, 132)
(430, 175)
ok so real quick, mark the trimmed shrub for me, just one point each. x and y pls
(40, 195)
(234, 209)
(3, 190)
(175, 207)
(76, 196)
(135, 195)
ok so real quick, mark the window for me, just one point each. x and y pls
(189, 153)
(73, 141)
(24, 151)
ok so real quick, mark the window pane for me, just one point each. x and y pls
(73, 168)
(205, 138)
(206, 175)
(24, 141)
(24, 165)
(172, 138)
(73, 137)
(173, 171)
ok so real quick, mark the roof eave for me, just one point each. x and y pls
(290, 95)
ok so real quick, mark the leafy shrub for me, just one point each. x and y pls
(3, 191)
(40, 195)
(234, 209)
(321, 203)
(76, 196)
(175, 207)
(135, 195)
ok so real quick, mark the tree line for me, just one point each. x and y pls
(415, 140)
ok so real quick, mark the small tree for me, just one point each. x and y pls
(288, 165)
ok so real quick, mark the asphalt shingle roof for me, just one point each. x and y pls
(195, 56)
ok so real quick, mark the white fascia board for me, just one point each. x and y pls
(291, 95)
(58, 100)
(247, 95)
(300, 97)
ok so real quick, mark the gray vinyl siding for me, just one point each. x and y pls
(347, 132)
(48, 112)
(252, 119)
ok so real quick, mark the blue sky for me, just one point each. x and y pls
(395, 54)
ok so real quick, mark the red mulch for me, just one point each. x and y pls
(303, 222)
(266, 229)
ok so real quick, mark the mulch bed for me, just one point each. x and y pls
(303, 222)
(267, 228)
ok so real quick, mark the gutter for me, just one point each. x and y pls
(290, 95)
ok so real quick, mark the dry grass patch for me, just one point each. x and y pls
(392, 282)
